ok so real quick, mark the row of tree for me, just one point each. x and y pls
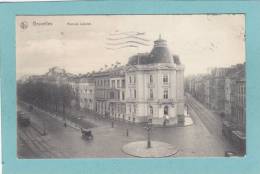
(58, 98)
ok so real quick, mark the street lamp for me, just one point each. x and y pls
(128, 126)
(187, 110)
(148, 129)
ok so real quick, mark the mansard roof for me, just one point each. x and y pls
(159, 54)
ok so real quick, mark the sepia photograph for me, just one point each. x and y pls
(131, 86)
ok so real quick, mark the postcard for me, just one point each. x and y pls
(128, 89)
(122, 86)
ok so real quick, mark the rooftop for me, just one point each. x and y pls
(159, 54)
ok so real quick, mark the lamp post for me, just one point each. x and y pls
(148, 129)
(128, 126)
(187, 110)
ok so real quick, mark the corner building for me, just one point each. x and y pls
(155, 86)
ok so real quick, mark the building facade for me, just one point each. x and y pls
(102, 89)
(155, 86)
(117, 106)
(224, 92)
(149, 87)
(86, 93)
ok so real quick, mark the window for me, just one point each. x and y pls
(165, 94)
(118, 84)
(151, 110)
(130, 79)
(123, 84)
(151, 93)
(165, 78)
(151, 78)
(134, 79)
(135, 93)
(166, 110)
(111, 95)
(130, 92)
(123, 95)
(113, 84)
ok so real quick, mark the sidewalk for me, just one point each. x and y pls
(73, 122)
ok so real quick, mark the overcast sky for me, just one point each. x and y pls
(201, 41)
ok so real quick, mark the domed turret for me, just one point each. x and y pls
(159, 54)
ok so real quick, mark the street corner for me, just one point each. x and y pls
(187, 121)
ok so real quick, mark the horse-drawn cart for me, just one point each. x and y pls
(86, 134)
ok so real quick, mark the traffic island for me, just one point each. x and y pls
(158, 149)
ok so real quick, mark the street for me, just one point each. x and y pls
(203, 138)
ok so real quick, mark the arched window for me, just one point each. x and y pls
(151, 110)
(166, 110)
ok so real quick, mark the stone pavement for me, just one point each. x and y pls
(158, 149)
(63, 142)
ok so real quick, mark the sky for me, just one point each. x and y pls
(79, 43)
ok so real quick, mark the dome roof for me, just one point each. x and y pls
(139, 59)
(159, 54)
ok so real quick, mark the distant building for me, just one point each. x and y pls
(223, 90)
(218, 89)
(86, 93)
(117, 106)
(102, 87)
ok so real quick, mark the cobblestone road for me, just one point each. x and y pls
(203, 138)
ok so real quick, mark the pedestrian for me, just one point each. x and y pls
(127, 133)
(164, 122)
